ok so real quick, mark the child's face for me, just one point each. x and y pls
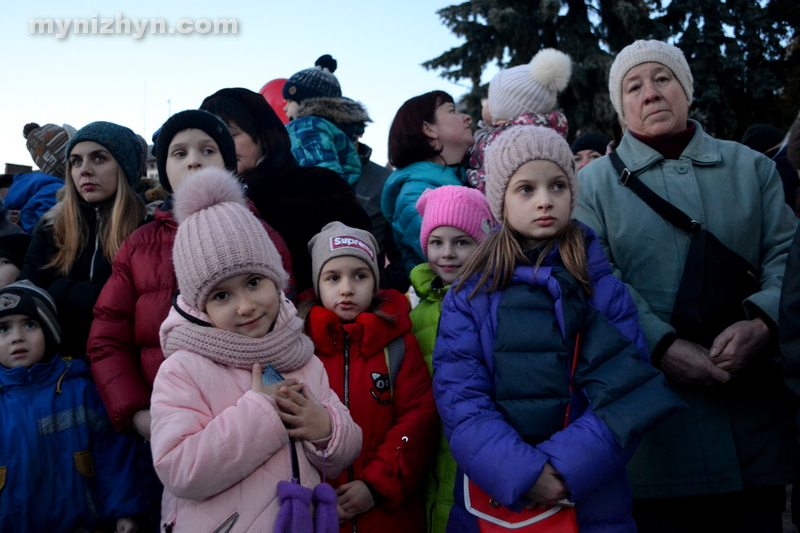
(191, 150)
(8, 272)
(246, 304)
(584, 157)
(346, 287)
(448, 249)
(93, 171)
(21, 341)
(537, 201)
(291, 109)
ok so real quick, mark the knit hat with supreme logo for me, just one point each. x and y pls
(337, 239)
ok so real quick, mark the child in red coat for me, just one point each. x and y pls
(353, 326)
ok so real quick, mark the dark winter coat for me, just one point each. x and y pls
(297, 202)
(124, 346)
(493, 377)
(63, 468)
(399, 424)
(76, 293)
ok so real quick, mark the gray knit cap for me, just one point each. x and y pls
(337, 239)
(643, 51)
(119, 140)
(314, 82)
(516, 146)
(25, 298)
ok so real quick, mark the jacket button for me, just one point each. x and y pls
(494, 503)
(682, 169)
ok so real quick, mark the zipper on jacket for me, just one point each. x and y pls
(96, 242)
(350, 471)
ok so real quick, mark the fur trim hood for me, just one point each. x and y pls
(337, 110)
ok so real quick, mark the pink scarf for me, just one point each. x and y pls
(286, 347)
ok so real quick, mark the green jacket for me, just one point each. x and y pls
(425, 325)
(735, 436)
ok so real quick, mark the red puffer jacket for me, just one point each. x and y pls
(400, 426)
(124, 348)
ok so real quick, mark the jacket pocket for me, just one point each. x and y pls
(84, 462)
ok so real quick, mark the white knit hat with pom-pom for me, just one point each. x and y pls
(218, 237)
(530, 88)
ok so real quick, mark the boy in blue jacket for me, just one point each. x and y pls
(63, 468)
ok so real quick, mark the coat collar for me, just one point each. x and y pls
(701, 150)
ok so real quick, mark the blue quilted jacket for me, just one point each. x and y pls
(605, 422)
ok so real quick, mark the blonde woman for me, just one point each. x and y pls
(73, 244)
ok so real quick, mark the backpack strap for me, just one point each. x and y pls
(394, 352)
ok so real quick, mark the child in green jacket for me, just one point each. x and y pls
(454, 220)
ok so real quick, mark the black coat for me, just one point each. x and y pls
(297, 202)
(76, 293)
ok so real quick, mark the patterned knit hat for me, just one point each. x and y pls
(643, 51)
(464, 208)
(313, 82)
(516, 146)
(337, 239)
(25, 298)
(530, 88)
(46, 146)
(119, 140)
(193, 119)
(218, 237)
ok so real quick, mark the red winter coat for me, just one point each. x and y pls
(400, 427)
(124, 348)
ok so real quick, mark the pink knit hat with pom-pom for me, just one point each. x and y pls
(218, 237)
(453, 205)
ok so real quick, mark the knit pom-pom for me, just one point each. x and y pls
(28, 128)
(205, 188)
(551, 69)
(327, 62)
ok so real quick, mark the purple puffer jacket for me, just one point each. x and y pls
(489, 450)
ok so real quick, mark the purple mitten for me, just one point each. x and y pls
(326, 517)
(295, 513)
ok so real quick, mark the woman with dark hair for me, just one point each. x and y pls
(296, 201)
(427, 143)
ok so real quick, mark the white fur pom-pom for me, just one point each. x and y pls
(204, 188)
(551, 69)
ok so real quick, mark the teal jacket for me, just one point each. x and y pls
(441, 481)
(746, 438)
(399, 203)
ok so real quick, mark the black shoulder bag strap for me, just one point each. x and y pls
(666, 210)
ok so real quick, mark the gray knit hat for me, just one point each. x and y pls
(119, 140)
(337, 239)
(530, 88)
(643, 51)
(218, 237)
(313, 82)
(516, 146)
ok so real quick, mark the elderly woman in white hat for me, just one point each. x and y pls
(721, 465)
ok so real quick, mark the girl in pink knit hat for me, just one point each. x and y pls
(221, 438)
(455, 220)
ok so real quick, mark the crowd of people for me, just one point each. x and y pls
(606, 339)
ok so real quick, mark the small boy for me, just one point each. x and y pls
(524, 95)
(324, 126)
(63, 468)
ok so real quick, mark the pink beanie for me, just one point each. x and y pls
(218, 237)
(453, 205)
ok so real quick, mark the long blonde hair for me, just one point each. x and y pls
(501, 251)
(70, 230)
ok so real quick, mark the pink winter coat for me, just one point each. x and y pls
(220, 448)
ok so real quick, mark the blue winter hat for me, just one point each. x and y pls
(119, 140)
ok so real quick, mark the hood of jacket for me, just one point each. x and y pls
(337, 110)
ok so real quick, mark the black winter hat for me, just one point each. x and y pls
(590, 141)
(314, 82)
(14, 246)
(762, 137)
(193, 119)
(25, 298)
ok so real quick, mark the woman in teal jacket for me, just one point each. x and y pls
(427, 143)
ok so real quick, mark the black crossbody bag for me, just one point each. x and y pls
(715, 279)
